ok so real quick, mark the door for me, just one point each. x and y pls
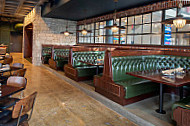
(16, 42)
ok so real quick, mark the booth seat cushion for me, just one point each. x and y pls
(184, 103)
(85, 71)
(137, 86)
(61, 63)
(89, 56)
(121, 65)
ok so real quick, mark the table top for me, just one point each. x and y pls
(92, 64)
(7, 90)
(157, 76)
(7, 69)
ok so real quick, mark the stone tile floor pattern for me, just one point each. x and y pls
(60, 104)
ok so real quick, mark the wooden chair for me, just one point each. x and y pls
(19, 115)
(8, 60)
(19, 65)
(20, 72)
(17, 82)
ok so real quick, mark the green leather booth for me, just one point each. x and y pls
(60, 56)
(136, 86)
(83, 69)
(46, 54)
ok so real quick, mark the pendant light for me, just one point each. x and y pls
(114, 27)
(179, 21)
(66, 33)
(84, 31)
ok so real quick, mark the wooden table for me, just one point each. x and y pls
(93, 64)
(12, 68)
(158, 77)
(7, 90)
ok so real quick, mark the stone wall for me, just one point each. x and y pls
(47, 31)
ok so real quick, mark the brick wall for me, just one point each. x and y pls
(47, 31)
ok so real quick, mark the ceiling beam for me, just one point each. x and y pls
(20, 6)
(2, 6)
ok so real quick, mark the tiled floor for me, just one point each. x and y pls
(60, 104)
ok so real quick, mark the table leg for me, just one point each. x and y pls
(160, 110)
(181, 92)
(97, 70)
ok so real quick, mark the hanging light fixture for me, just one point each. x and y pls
(84, 31)
(179, 21)
(66, 33)
(114, 27)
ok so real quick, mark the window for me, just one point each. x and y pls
(174, 36)
(140, 29)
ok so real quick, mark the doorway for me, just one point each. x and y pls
(16, 42)
(28, 41)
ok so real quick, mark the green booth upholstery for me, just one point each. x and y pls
(46, 54)
(181, 112)
(60, 58)
(133, 86)
(136, 86)
(82, 70)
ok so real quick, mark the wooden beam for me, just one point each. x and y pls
(2, 6)
(19, 6)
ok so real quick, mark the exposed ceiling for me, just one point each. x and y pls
(75, 9)
(15, 10)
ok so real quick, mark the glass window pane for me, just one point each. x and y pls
(109, 39)
(185, 11)
(170, 28)
(117, 22)
(130, 20)
(156, 27)
(185, 28)
(80, 39)
(123, 31)
(138, 19)
(130, 39)
(97, 32)
(109, 23)
(156, 40)
(146, 28)
(92, 25)
(115, 39)
(102, 24)
(88, 27)
(146, 18)
(137, 39)
(92, 39)
(123, 21)
(97, 25)
(131, 29)
(183, 39)
(170, 13)
(102, 31)
(146, 39)
(123, 39)
(157, 16)
(169, 39)
(138, 29)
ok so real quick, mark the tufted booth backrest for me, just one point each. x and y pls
(90, 56)
(46, 50)
(121, 65)
(60, 54)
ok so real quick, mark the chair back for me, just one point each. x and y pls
(8, 60)
(18, 65)
(23, 106)
(17, 81)
(20, 72)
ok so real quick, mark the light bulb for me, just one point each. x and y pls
(179, 23)
(66, 33)
(114, 29)
(84, 32)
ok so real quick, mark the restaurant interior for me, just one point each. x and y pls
(94, 62)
